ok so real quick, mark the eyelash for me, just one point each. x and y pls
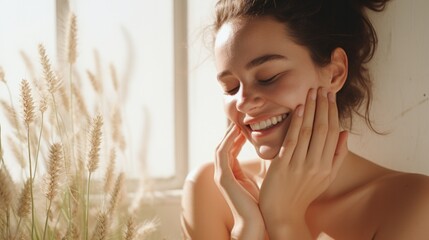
(232, 91)
(262, 82)
(268, 81)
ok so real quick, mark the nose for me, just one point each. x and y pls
(248, 100)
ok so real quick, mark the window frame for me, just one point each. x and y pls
(180, 81)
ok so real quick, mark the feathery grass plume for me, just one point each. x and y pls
(130, 230)
(80, 164)
(102, 227)
(52, 179)
(12, 117)
(2, 75)
(117, 135)
(1, 150)
(97, 63)
(48, 73)
(28, 108)
(6, 196)
(95, 142)
(5, 190)
(80, 102)
(54, 170)
(21, 236)
(27, 102)
(72, 39)
(43, 104)
(75, 190)
(116, 193)
(93, 159)
(72, 233)
(114, 77)
(94, 82)
(76, 197)
(64, 98)
(17, 153)
(108, 177)
(3, 225)
(148, 227)
(24, 204)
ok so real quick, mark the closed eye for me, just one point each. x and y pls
(232, 91)
(269, 80)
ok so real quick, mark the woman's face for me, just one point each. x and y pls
(265, 75)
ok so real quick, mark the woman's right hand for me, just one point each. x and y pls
(239, 191)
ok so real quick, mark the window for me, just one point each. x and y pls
(145, 42)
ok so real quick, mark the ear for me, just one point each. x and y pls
(338, 69)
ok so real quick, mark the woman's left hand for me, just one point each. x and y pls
(308, 161)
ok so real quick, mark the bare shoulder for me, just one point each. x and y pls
(402, 201)
(205, 213)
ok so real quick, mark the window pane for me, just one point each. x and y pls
(137, 38)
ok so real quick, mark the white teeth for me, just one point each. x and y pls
(274, 120)
(263, 124)
(268, 123)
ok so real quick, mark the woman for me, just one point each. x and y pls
(294, 75)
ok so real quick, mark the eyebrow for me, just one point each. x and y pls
(256, 62)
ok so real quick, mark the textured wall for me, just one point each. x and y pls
(400, 71)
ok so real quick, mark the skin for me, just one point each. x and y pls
(314, 185)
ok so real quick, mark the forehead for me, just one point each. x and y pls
(243, 39)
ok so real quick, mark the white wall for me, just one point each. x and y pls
(401, 82)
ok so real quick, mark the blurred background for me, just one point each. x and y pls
(172, 113)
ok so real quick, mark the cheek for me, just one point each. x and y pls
(292, 92)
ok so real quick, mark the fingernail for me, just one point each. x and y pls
(331, 97)
(300, 110)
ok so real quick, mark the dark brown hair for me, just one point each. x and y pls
(322, 26)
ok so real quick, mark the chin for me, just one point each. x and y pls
(267, 152)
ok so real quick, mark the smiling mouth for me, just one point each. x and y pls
(268, 123)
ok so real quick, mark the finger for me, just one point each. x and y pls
(238, 144)
(306, 129)
(333, 132)
(236, 149)
(292, 135)
(223, 149)
(320, 129)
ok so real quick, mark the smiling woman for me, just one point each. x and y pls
(294, 75)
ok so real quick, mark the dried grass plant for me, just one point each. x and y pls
(54, 133)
